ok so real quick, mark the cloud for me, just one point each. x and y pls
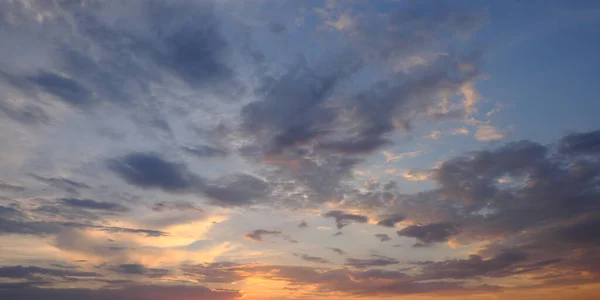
(257, 235)
(64, 88)
(42, 228)
(522, 213)
(11, 213)
(62, 183)
(11, 187)
(60, 212)
(155, 43)
(303, 224)
(217, 272)
(303, 116)
(383, 237)
(434, 134)
(130, 292)
(204, 151)
(342, 219)
(355, 281)
(93, 204)
(338, 251)
(416, 175)
(430, 233)
(474, 266)
(139, 269)
(378, 261)
(390, 221)
(27, 114)
(488, 133)
(149, 170)
(176, 205)
(460, 131)
(382, 110)
(587, 143)
(276, 28)
(314, 259)
(236, 189)
(32, 272)
(390, 157)
(295, 131)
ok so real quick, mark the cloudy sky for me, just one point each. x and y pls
(267, 150)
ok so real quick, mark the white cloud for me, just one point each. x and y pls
(471, 97)
(488, 133)
(460, 131)
(416, 175)
(434, 134)
(390, 157)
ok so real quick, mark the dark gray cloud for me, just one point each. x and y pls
(504, 264)
(342, 219)
(128, 292)
(391, 102)
(147, 232)
(93, 204)
(149, 170)
(236, 189)
(42, 228)
(566, 246)
(430, 233)
(58, 211)
(65, 89)
(383, 237)
(390, 221)
(192, 47)
(31, 271)
(257, 235)
(139, 269)
(28, 228)
(276, 27)
(377, 261)
(11, 187)
(11, 212)
(204, 151)
(289, 239)
(309, 112)
(338, 251)
(292, 110)
(163, 39)
(586, 143)
(181, 206)
(303, 224)
(62, 183)
(296, 109)
(314, 259)
(28, 114)
(541, 200)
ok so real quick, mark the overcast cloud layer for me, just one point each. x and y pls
(221, 149)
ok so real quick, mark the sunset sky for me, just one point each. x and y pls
(299, 149)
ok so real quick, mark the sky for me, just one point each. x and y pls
(280, 150)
